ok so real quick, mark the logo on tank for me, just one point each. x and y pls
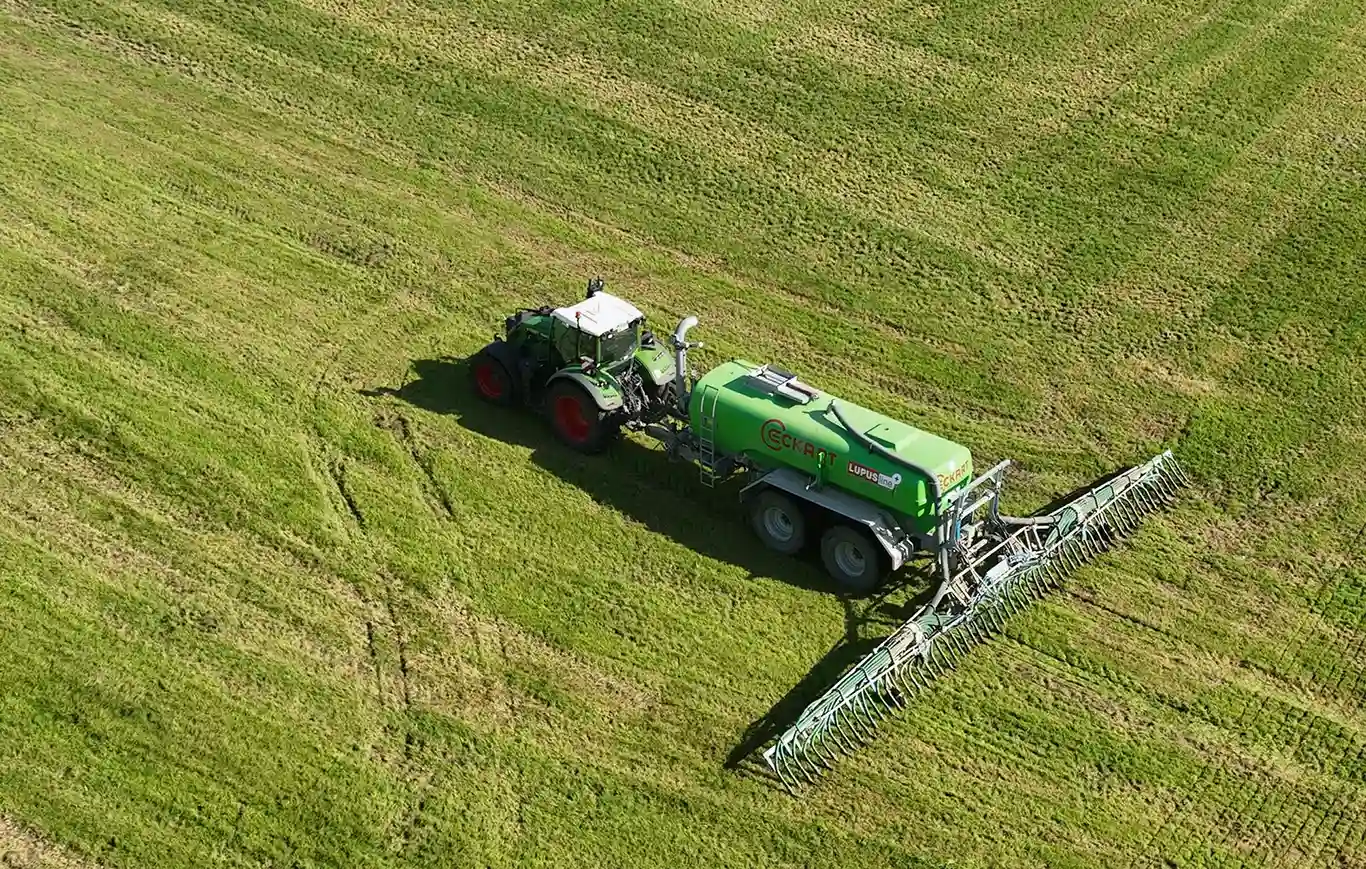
(872, 475)
(776, 437)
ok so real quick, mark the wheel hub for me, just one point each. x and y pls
(850, 559)
(778, 524)
(569, 415)
(488, 381)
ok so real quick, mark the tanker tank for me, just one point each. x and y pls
(775, 420)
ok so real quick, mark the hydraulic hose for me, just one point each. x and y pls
(875, 447)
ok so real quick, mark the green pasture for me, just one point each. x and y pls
(275, 591)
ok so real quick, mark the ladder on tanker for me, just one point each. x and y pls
(706, 435)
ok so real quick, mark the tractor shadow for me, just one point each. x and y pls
(641, 483)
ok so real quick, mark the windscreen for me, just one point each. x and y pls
(618, 345)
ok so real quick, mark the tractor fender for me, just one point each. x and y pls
(898, 545)
(656, 364)
(606, 398)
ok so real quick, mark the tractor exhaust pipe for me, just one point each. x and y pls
(681, 345)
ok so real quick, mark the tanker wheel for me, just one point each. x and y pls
(778, 521)
(853, 558)
(576, 418)
(491, 379)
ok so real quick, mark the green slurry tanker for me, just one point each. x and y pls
(868, 482)
(872, 492)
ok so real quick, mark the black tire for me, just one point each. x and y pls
(667, 394)
(491, 380)
(778, 521)
(852, 558)
(666, 401)
(576, 418)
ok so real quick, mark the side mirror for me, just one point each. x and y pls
(594, 287)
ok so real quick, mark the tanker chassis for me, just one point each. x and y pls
(873, 491)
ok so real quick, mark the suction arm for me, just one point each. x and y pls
(681, 347)
(680, 334)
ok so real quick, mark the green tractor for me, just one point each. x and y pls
(590, 368)
(871, 490)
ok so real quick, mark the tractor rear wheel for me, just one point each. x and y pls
(492, 381)
(778, 522)
(576, 418)
(852, 558)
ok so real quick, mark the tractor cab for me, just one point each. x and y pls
(593, 366)
(602, 328)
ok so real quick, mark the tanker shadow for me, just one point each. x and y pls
(864, 628)
(641, 483)
(668, 498)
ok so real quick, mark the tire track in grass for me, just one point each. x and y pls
(412, 763)
(337, 470)
(383, 622)
(400, 427)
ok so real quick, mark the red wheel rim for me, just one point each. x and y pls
(488, 380)
(569, 415)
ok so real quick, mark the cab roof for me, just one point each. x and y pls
(599, 314)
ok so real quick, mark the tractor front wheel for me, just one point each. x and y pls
(491, 379)
(852, 558)
(778, 521)
(577, 419)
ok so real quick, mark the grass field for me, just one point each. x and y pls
(276, 592)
